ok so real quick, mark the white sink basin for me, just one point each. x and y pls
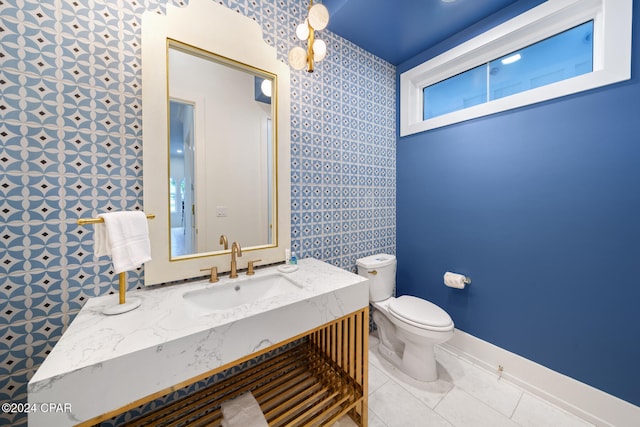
(237, 292)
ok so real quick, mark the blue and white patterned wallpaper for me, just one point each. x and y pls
(71, 147)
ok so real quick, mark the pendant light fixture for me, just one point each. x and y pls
(317, 20)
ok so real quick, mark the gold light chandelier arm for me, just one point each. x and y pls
(311, 39)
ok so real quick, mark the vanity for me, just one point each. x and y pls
(105, 365)
(216, 171)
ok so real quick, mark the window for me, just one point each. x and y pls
(556, 49)
(560, 57)
(455, 93)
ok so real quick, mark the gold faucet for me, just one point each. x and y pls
(224, 242)
(235, 250)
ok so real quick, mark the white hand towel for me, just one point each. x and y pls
(243, 411)
(125, 237)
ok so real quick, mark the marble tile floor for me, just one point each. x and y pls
(464, 395)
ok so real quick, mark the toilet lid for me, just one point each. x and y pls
(419, 311)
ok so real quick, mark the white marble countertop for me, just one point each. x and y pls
(103, 363)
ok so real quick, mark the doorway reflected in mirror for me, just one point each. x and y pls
(181, 170)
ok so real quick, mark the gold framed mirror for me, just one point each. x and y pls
(215, 147)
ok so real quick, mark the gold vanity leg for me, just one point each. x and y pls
(364, 416)
(339, 359)
(345, 345)
(352, 344)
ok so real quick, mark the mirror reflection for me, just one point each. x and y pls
(221, 147)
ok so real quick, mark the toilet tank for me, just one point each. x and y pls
(380, 269)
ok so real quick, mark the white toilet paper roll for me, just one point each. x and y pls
(455, 280)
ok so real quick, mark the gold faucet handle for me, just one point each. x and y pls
(214, 274)
(250, 271)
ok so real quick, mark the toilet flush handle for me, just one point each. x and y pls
(373, 272)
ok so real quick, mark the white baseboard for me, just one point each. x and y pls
(589, 403)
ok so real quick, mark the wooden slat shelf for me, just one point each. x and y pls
(312, 384)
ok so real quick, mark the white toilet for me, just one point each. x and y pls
(408, 327)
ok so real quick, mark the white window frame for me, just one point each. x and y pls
(612, 21)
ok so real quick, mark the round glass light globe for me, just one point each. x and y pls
(318, 17)
(297, 58)
(302, 31)
(265, 87)
(319, 50)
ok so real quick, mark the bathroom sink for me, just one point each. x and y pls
(237, 292)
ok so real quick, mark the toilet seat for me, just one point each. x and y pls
(420, 313)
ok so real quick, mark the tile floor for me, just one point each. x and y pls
(463, 396)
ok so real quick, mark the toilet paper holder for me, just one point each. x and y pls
(456, 280)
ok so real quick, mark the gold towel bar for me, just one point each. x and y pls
(122, 306)
(85, 221)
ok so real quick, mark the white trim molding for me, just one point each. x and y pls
(585, 401)
(611, 58)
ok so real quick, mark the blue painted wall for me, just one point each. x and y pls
(541, 207)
